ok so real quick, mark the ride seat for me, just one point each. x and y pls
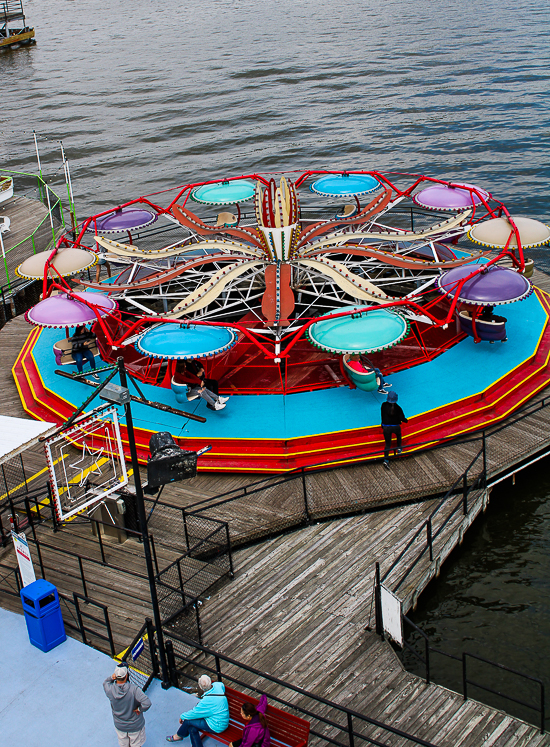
(226, 220)
(365, 380)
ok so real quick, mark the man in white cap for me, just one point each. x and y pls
(128, 704)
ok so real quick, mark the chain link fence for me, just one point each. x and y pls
(275, 504)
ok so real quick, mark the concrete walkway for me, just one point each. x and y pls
(57, 700)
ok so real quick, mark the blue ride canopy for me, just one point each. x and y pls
(185, 341)
(345, 185)
(363, 332)
(224, 193)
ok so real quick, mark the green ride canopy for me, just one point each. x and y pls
(361, 332)
(224, 193)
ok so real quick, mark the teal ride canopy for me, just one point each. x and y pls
(224, 193)
(361, 332)
(185, 342)
(345, 185)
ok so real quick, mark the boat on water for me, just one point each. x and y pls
(271, 283)
(13, 25)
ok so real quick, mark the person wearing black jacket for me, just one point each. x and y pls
(392, 417)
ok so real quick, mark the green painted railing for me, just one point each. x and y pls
(36, 241)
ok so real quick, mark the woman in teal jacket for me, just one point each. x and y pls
(210, 714)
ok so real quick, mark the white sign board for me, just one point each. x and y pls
(391, 615)
(26, 568)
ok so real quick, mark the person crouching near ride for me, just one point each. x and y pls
(392, 417)
(196, 387)
(211, 714)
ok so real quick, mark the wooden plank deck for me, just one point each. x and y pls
(298, 609)
(27, 217)
(300, 603)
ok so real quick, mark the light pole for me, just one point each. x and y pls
(143, 527)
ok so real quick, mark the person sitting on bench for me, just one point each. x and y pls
(256, 731)
(82, 340)
(211, 714)
(487, 315)
(196, 385)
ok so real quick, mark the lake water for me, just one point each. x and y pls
(150, 94)
(492, 598)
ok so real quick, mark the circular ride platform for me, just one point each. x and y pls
(467, 388)
(249, 302)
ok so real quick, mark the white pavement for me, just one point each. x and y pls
(57, 700)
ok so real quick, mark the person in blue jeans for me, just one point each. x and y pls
(211, 714)
(82, 339)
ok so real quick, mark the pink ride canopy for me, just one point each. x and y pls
(447, 198)
(64, 311)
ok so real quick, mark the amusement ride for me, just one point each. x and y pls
(288, 291)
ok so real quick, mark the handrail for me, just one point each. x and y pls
(295, 474)
(350, 713)
(56, 203)
(465, 681)
(423, 527)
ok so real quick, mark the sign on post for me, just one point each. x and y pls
(138, 649)
(392, 619)
(26, 568)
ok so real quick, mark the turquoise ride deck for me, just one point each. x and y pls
(463, 389)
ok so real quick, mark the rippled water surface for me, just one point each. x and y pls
(151, 93)
(493, 598)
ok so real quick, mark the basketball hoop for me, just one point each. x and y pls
(82, 480)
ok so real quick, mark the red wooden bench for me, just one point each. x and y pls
(285, 729)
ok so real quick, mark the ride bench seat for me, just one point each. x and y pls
(285, 729)
(63, 351)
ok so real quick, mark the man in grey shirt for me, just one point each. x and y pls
(128, 703)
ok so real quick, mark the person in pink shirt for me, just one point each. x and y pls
(362, 364)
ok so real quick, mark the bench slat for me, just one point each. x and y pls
(285, 729)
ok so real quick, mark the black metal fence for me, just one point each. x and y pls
(330, 723)
(102, 582)
(457, 501)
(486, 670)
(199, 570)
(276, 504)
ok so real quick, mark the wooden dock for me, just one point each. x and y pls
(300, 603)
(30, 232)
(298, 608)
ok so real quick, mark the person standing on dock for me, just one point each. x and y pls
(128, 704)
(392, 417)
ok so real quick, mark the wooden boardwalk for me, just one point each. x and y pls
(27, 217)
(300, 603)
(298, 609)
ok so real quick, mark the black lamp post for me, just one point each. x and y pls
(143, 527)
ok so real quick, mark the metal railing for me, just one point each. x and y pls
(43, 235)
(83, 615)
(447, 512)
(11, 9)
(463, 659)
(144, 647)
(182, 663)
(304, 495)
(204, 564)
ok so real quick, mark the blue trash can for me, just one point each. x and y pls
(43, 615)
